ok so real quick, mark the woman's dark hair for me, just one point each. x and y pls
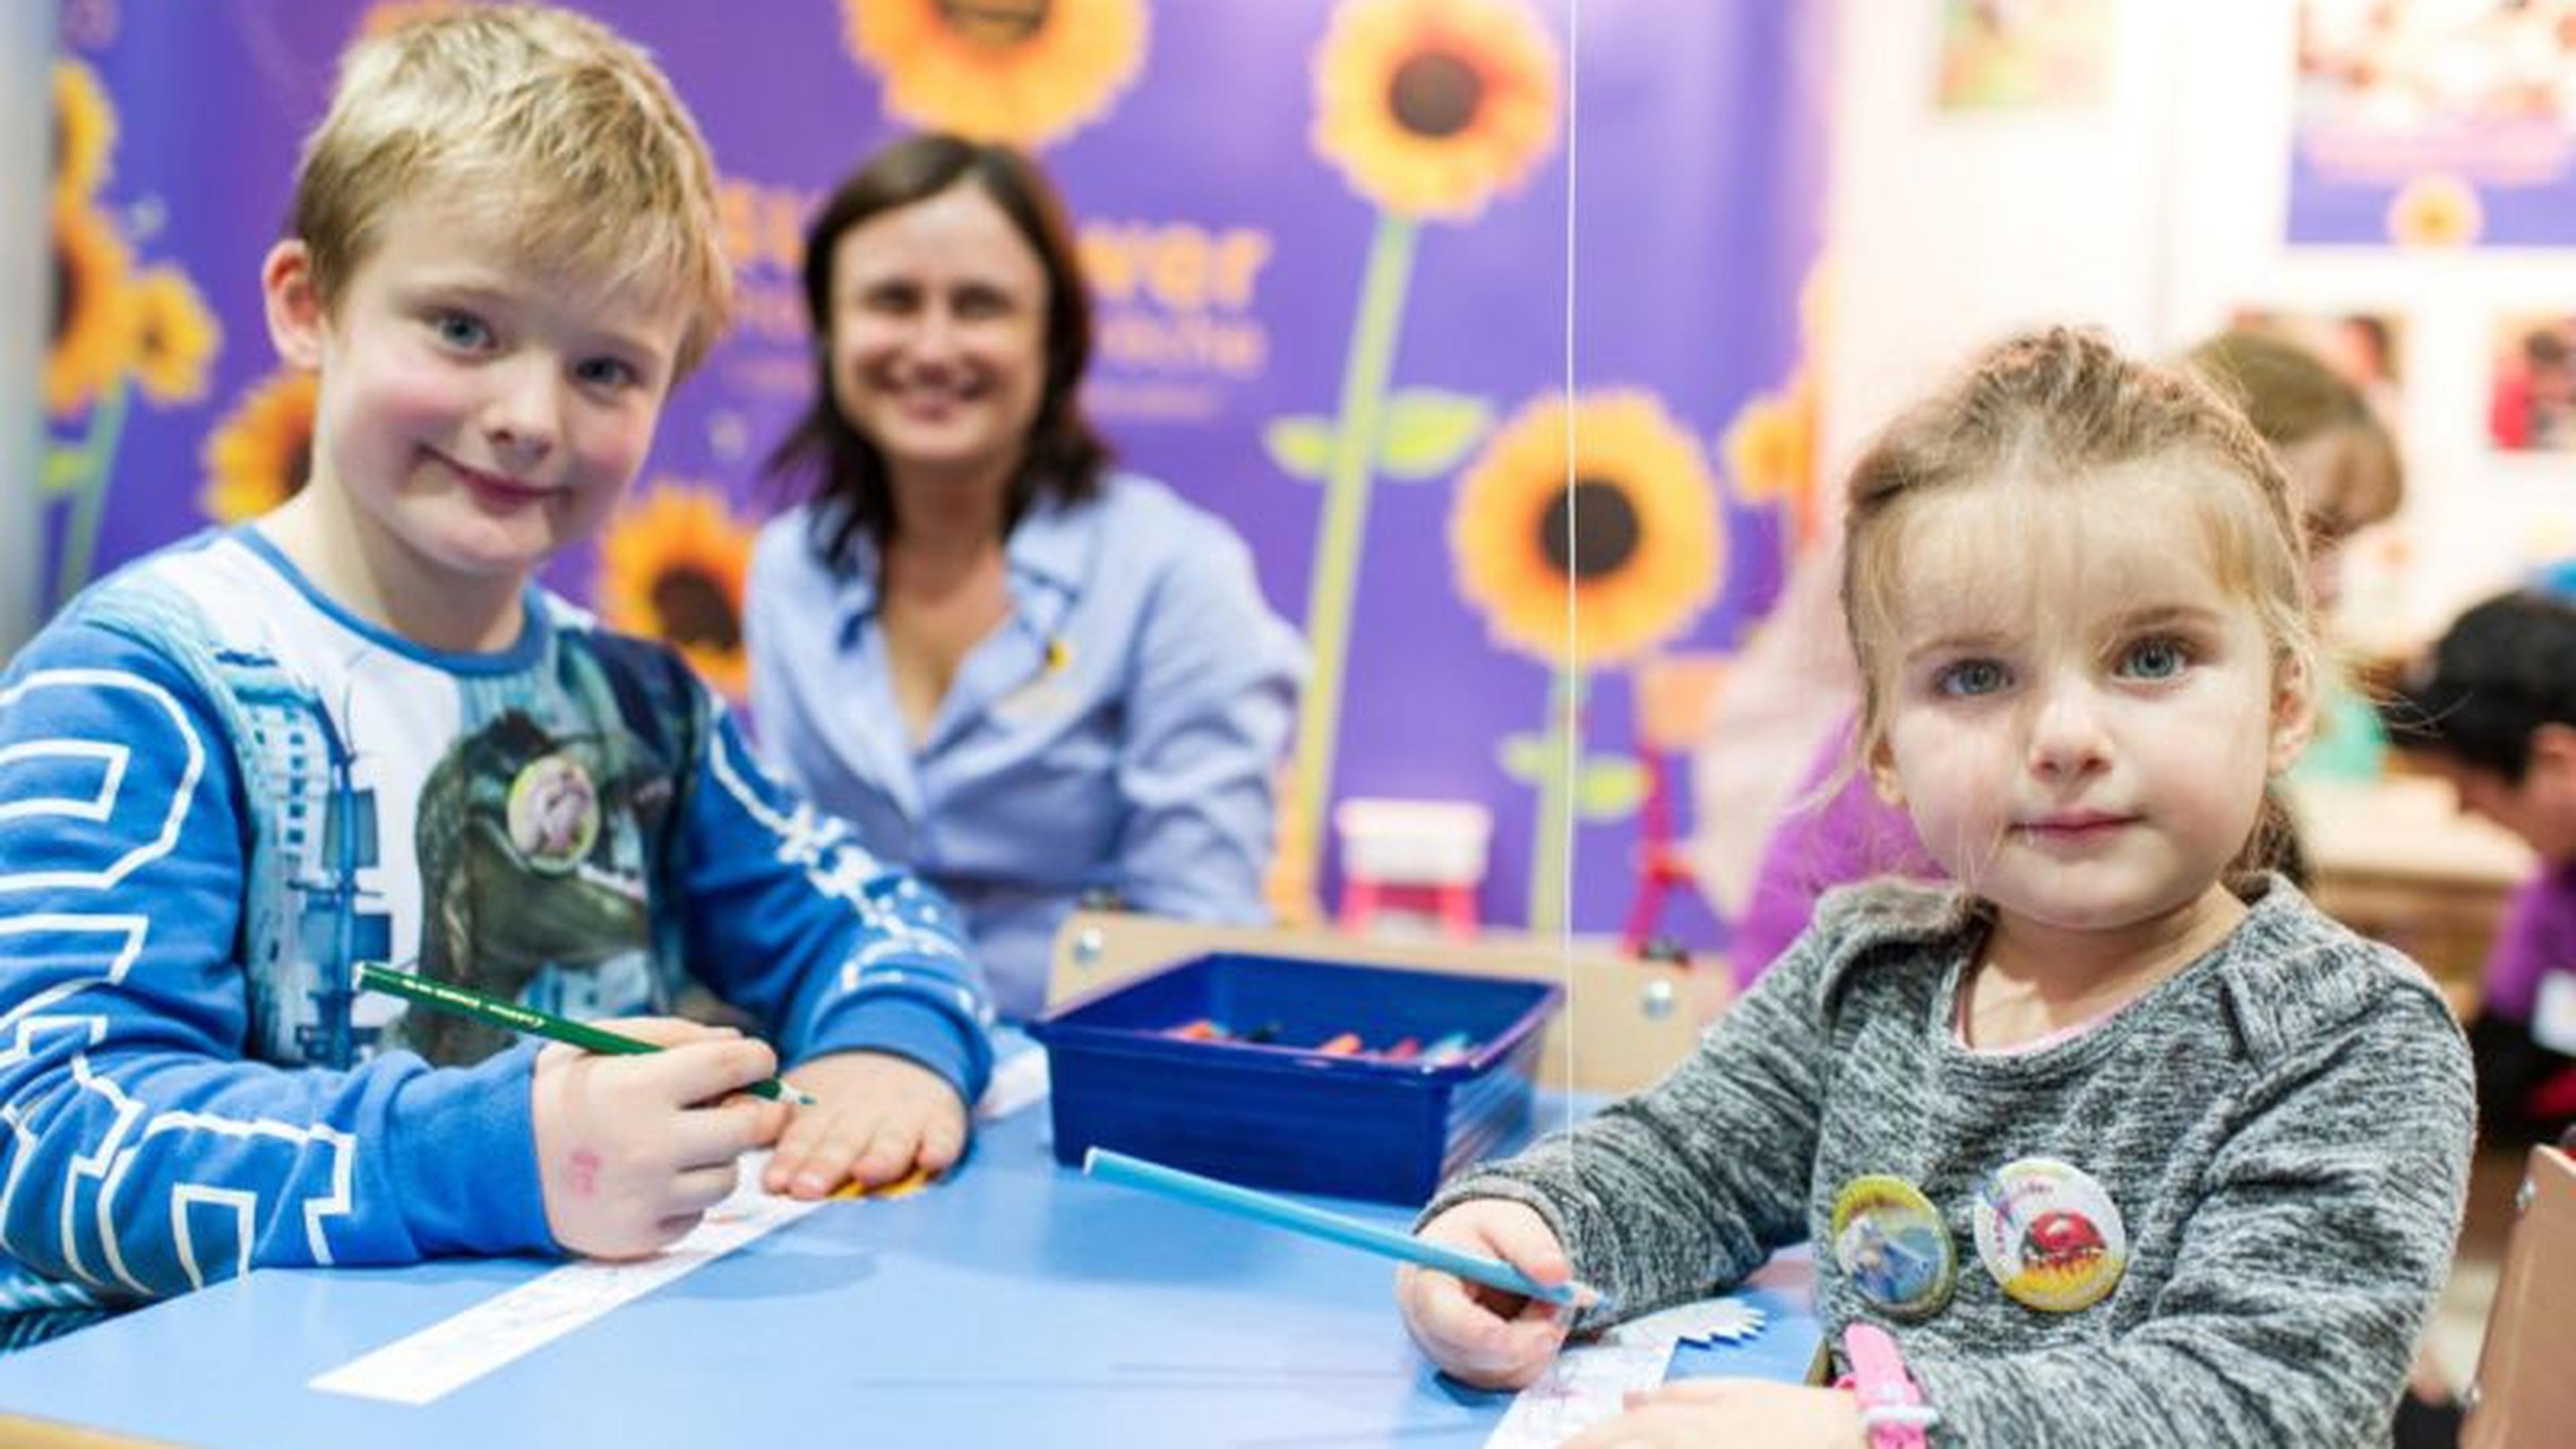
(1064, 458)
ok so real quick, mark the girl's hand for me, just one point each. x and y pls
(877, 1118)
(1736, 1413)
(632, 1150)
(1488, 1337)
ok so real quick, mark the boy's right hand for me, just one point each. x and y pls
(632, 1150)
(1488, 1337)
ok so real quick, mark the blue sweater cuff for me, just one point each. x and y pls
(908, 1026)
(462, 1155)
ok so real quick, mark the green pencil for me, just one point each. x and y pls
(447, 996)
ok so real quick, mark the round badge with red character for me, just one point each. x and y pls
(2050, 1235)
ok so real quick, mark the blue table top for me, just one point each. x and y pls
(1017, 1303)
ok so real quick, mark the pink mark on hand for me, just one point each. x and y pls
(585, 1171)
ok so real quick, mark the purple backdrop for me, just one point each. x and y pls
(1229, 253)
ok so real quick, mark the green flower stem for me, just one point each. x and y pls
(1550, 845)
(1338, 541)
(64, 469)
(87, 489)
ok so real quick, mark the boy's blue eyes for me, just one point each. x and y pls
(468, 333)
(461, 329)
(605, 372)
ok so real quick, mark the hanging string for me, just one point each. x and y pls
(1565, 682)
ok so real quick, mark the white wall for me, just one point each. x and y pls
(1949, 230)
(26, 123)
(2156, 214)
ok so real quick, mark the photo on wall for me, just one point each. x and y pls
(2366, 348)
(2023, 55)
(2434, 123)
(2531, 384)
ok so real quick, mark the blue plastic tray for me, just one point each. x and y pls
(1283, 1115)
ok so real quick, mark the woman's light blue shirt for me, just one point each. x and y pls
(1120, 729)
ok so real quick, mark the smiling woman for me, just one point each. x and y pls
(1029, 676)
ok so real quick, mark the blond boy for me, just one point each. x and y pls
(358, 730)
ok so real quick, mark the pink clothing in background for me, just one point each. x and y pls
(2538, 937)
(1822, 841)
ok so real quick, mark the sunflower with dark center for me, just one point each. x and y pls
(1628, 522)
(1431, 107)
(175, 336)
(674, 567)
(89, 334)
(84, 130)
(261, 454)
(1016, 71)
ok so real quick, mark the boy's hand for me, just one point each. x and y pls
(877, 1117)
(1736, 1413)
(1488, 1337)
(632, 1150)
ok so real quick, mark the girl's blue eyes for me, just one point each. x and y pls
(2155, 659)
(1971, 677)
(2151, 660)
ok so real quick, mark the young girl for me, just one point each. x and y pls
(2120, 1148)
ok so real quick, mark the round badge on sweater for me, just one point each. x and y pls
(553, 813)
(1892, 1245)
(2050, 1234)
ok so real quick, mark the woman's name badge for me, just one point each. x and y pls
(1047, 693)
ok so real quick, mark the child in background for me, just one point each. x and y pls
(2186, 1158)
(2493, 710)
(356, 730)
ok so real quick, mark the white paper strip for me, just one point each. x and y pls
(458, 1350)
(1018, 1081)
(1591, 1384)
(1584, 1387)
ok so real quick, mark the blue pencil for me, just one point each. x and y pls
(1279, 1212)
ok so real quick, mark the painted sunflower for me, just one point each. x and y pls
(1770, 447)
(261, 454)
(1430, 107)
(175, 336)
(386, 16)
(2435, 211)
(1022, 72)
(673, 567)
(84, 129)
(90, 339)
(1647, 538)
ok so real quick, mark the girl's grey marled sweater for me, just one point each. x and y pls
(2285, 1127)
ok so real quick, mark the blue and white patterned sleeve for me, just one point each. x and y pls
(790, 918)
(141, 1153)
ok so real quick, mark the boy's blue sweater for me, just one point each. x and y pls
(219, 792)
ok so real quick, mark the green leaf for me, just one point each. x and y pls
(1524, 757)
(1302, 445)
(1609, 787)
(1427, 432)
